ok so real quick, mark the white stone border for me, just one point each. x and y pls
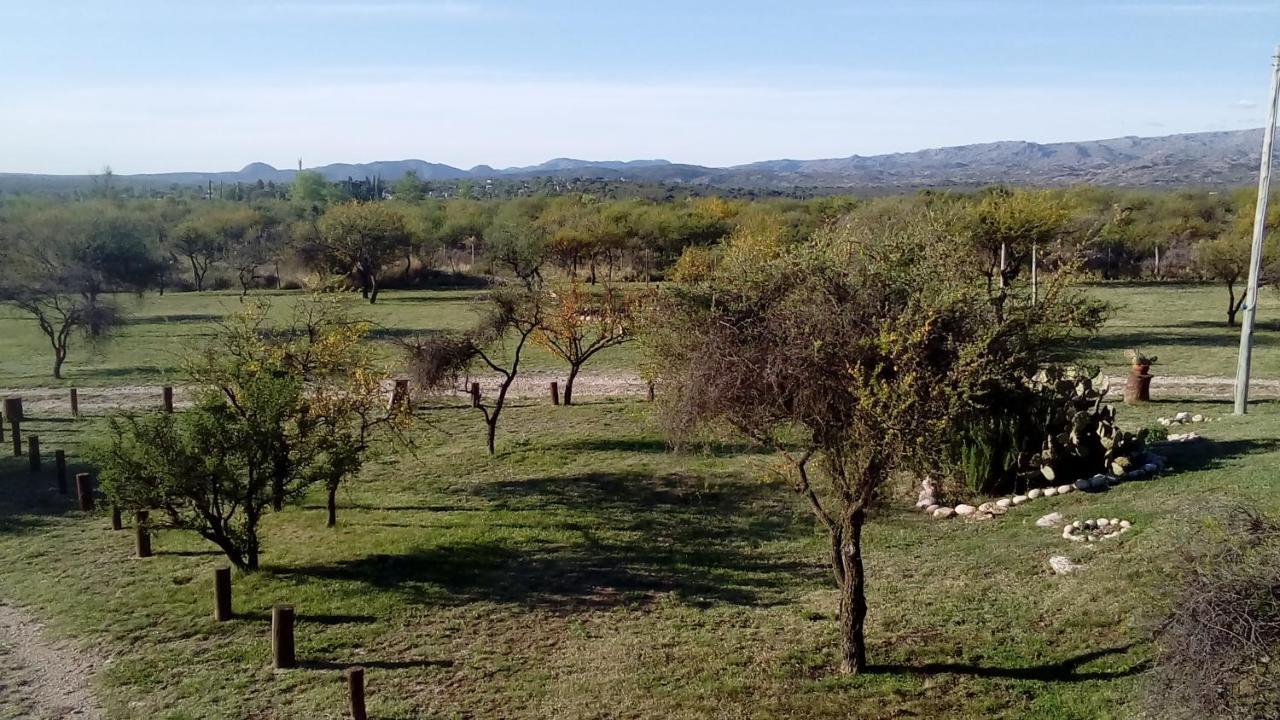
(934, 509)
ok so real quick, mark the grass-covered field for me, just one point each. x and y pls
(1182, 324)
(588, 572)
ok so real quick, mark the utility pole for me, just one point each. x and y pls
(1259, 233)
(1035, 289)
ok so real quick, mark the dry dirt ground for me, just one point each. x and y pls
(41, 400)
(41, 678)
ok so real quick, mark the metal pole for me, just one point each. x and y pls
(1035, 289)
(1259, 233)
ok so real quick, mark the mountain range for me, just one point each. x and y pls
(1194, 159)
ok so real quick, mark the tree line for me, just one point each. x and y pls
(65, 259)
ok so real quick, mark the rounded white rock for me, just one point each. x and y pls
(1034, 493)
(1050, 491)
(1125, 524)
(1019, 499)
(965, 510)
(1004, 502)
(932, 508)
(943, 513)
(1064, 489)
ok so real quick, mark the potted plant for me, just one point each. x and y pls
(1138, 387)
(1141, 363)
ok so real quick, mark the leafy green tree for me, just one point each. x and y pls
(497, 342)
(63, 263)
(853, 354)
(363, 237)
(277, 411)
(310, 188)
(408, 188)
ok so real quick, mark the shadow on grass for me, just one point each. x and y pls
(1210, 454)
(373, 664)
(29, 501)
(304, 618)
(174, 318)
(634, 538)
(1123, 341)
(659, 446)
(1063, 671)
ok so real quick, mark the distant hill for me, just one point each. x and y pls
(1211, 158)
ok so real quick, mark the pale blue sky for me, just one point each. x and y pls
(156, 85)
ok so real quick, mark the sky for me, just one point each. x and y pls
(181, 85)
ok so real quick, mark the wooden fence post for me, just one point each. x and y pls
(355, 689)
(400, 397)
(75, 403)
(84, 491)
(282, 654)
(168, 398)
(33, 453)
(117, 522)
(13, 413)
(222, 594)
(60, 466)
(13, 409)
(555, 393)
(475, 394)
(141, 534)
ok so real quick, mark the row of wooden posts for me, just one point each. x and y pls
(283, 654)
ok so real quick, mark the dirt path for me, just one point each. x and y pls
(43, 679)
(54, 401)
(39, 401)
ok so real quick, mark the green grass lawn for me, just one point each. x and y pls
(161, 329)
(586, 572)
(1185, 325)
(1182, 324)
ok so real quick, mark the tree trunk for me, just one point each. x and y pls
(853, 599)
(59, 357)
(196, 276)
(333, 506)
(593, 269)
(1233, 306)
(373, 282)
(493, 431)
(568, 386)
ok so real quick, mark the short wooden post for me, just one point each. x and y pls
(355, 689)
(13, 409)
(60, 466)
(84, 491)
(168, 398)
(555, 393)
(117, 522)
(400, 397)
(475, 394)
(282, 656)
(15, 429)
(75, 403)
(33, 453)
(141, 534)
(1137, 388)
(222, 594)
(650, 392)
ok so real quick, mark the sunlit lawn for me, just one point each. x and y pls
(587, 572)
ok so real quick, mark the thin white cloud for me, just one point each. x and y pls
(345, 10)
